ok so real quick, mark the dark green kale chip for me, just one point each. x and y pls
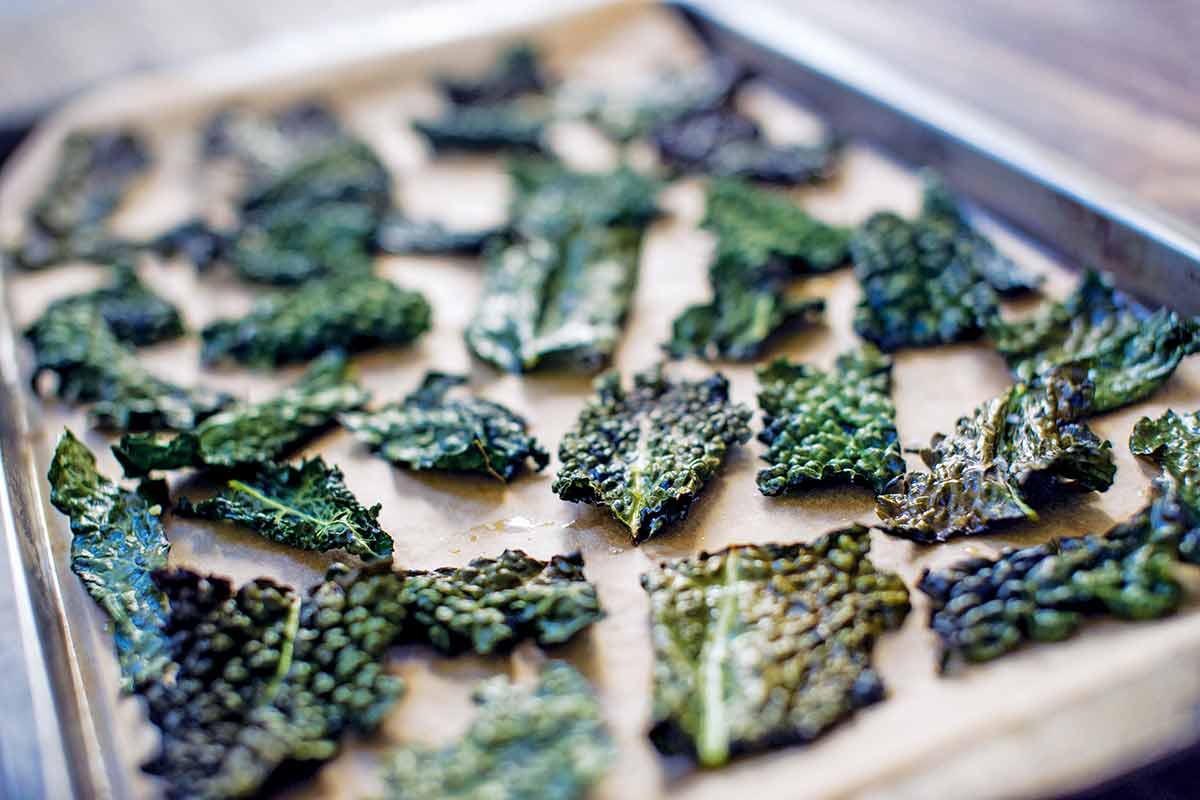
(1173, 443)
(725, 143)
(430, 431)
(132, 311)
(551, 201)
(829, 427)
(1128, 350)
(759, 646)
(251, 434)
(340, 313)
(193, 240)
(117, 543)
(306, 506)
(1013, 452)
(93, 366)
(764, 242)
(399, 235)
(646, 453)
(983, 608)
(547, 742)
(517, 71)
(928, 281)
(484, 129)
(69, 220)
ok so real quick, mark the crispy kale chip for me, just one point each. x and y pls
(1013, 452)
(647, 452)
(306, 506)
(399, 235)
(764, 242)
(117, 543)
(193, 240)
(829, 427)
(1173, 443)
(344, 313)
(70, 219)
(551, 201)
(928, 281)
(983, 608)
(547, 742)
(758, 646)
(251, 434)
(725, 143)
(131, 310)
(1128, 350)
(517, 71)
(93, 366)
(484, 129)
(267, 144)
(430, 431)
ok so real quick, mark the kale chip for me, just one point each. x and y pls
(306, 506)
(75, 343)
(725, 143)
(117, 543)
(1128, 350)
(1013, 452)
(551, 201)
(1173, 443)
(429, 431)
(195, 241)
(928, 281)
(266, 144)
(763, 243)
(340, 313)
(248, 435)
(400, 235)
(646, 453)
(983, 608)
(759, 646)
(547, 742)
(131, 310)
(484, 129)
(829, 427)
(517, 71)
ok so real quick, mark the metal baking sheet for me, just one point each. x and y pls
(1040, 721)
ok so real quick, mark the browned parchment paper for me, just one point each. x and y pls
(1047, 718)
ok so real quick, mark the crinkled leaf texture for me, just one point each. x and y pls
(829, 427)
(928, 281)
(983, 608)
(263, 678)
(758, 646)
(342, 313)
(1128, 350)
(646, 453)
(496, 128)
(1011, 453)
(546, 742)
(1173, 443)
(117, 543)
(134, 314)
(76, 344)
(306, 506)
(251, 434)
(517, 71)
(430, 431)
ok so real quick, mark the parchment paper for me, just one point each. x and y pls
(1046, 718)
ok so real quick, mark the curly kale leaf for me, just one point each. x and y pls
(829, 427)
(1173, 443)
(429, 431)
(400, 235)
(646, 453)
(551, 201)
(724, 143)
(983, 608)
(928, 281)
(763, 243)
(517, 71)
(306, 506)
(69, 219)
(547, 742)
(250, 434)
(758, 646)
(117, 543)
(1012, 452)
(193, 240)
(93, 366)
(484, 129)
(1128, 350)
(341, 313)
(131, 310)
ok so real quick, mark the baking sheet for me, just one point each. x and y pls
(1111, 697)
